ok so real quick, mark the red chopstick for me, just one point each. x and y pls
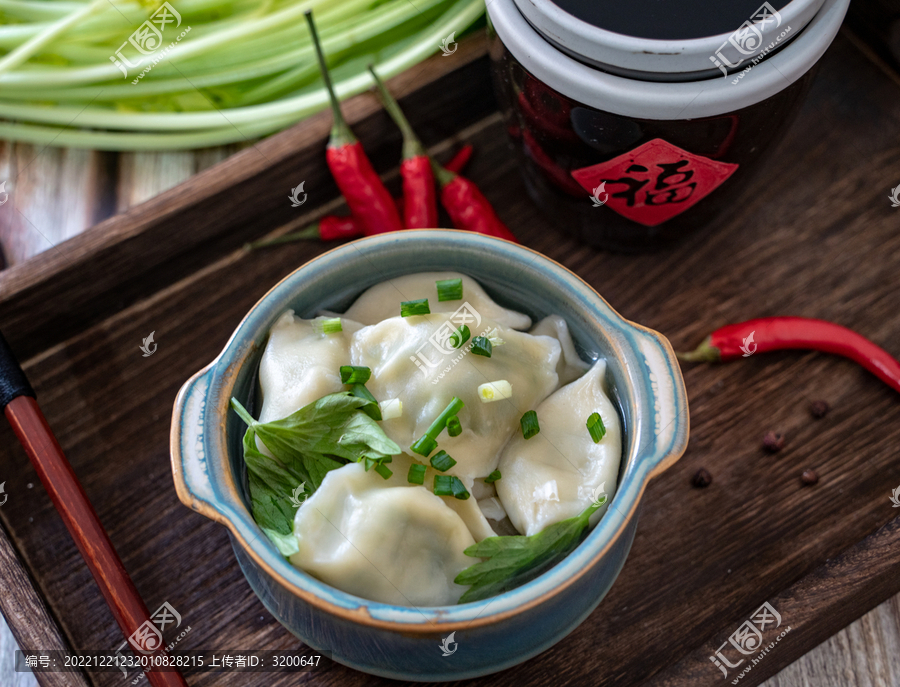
(79, 516)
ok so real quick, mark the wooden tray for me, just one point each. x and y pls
(814, 234)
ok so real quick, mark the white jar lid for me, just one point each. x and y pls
(665, 60)
(665, 100)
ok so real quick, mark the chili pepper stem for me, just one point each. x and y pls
(443, 175)
(704, 353)
(412, 146)
(340, 131)
(311, 232)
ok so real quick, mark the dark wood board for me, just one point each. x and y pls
(814, 234)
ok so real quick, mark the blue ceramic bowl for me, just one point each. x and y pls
(402, 642)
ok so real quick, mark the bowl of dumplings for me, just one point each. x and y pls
(429, 448)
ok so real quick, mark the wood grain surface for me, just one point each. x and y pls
(812, 235)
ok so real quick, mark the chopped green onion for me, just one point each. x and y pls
(424, 446)
(493, 477)
(351, 374)
(460, 336)
(494, 339)
(371, 408)
(459, 489)
(596, 427)
(454, 428)
(329, 325)
(440, 421)
(391, 408)
(530, 425)
(383, 470)
(416, 474)
(449, 289)
(482, 346)
(419, 307)
(443, 485)
(494, 391)
(442, 461)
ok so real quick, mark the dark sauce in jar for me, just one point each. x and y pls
(666, 19)
(554, 136)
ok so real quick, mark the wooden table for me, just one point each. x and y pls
(793, 254)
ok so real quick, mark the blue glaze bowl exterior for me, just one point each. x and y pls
(399, 642)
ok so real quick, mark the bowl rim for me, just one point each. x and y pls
(357, 608)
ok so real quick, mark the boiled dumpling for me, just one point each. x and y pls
(555, 474)
(395, 349)
(570, 366)
(399, 545)
(382, 301)
(301, 364)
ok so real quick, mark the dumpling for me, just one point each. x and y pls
(382, 301)
(399, 545)
(570, 366)
(301, 364)
(554, 475)
(395, 349)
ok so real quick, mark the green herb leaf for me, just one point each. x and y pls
(513, 561)
(322, 436)
(493, 477)
(419, 307)
(449, 289)
(371, 408)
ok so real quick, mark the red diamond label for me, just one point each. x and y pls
(654, 182)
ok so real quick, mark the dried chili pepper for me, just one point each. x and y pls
(781, 333)
(366, 196)
(419, 202)
(337, 227)
(467, 206)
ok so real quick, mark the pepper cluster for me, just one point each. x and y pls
(373, 210)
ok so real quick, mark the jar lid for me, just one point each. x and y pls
(661, 40)
(668, 100)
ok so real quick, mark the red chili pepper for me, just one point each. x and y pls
(366, 196)
(337, 227)
(467, 206)
(419, 202)
(779, 333)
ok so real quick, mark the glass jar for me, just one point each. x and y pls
(634, 160)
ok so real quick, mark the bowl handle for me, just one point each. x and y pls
(191, 470)
(667, 402)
